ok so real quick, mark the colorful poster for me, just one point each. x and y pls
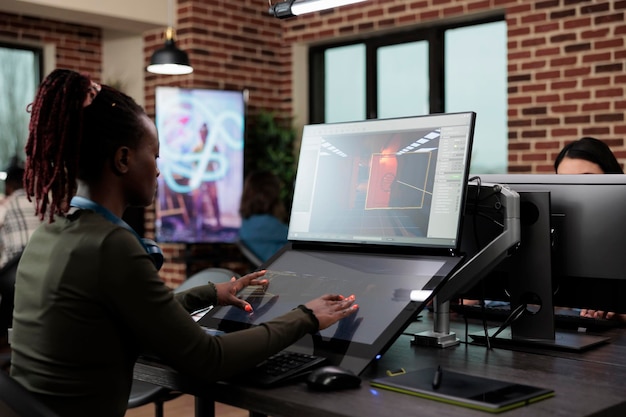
(201, 135)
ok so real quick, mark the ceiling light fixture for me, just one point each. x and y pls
(290, 8)
(170, 60)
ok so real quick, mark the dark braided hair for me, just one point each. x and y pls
(592, 150)
(68, 140)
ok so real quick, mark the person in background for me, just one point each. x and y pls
(88, 296)
(3, 208)
(19, 222)
(587, 156)
(263, 229)
(20, 218)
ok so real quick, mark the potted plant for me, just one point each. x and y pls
(270, 147)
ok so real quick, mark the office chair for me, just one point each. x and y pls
(17, 401)
(143, 393)
(248, 254)
(215, 275)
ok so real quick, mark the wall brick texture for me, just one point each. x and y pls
(566, 59)
(77, 47)
(566, 62)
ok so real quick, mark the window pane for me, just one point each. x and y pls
(475, 79)
(345, 84)
(18, 78)
(403, 80)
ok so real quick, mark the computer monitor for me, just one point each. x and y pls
(377, 212)
(389, 183)
(573, 235)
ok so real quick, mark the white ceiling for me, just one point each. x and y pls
(131, 16)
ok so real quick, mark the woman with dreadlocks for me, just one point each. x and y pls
(88, 296)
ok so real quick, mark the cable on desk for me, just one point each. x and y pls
(482, 310)
(479, 209)
(515, 314)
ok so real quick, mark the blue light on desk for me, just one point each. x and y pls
(378, 356)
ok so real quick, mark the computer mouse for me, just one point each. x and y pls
(330, 378)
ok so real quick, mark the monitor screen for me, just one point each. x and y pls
(384, 182)
(588, 236)
(382, 284)
(201, 135)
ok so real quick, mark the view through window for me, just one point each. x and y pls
(20, 73)
(454, 68)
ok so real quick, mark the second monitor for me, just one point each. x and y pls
(581, 263)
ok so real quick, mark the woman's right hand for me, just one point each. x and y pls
(331, 308)
(227, 291)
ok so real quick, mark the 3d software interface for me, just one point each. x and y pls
(385, 182)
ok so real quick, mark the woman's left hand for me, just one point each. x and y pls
(227, 291)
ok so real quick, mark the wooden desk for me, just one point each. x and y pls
(590, 383)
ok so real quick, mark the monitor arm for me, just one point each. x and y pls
(473, 270)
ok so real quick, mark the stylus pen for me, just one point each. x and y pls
(200, 311)
(437, 378)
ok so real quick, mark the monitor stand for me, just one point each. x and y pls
(440, 336)
(489, 256)
(530, 284)
(575, 342)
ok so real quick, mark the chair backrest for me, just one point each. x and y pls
(248, 254)
(215, 275)
(17, 401)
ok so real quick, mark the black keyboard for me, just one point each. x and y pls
(563, 318)
(283, 367)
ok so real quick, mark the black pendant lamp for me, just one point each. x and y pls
(170, 60)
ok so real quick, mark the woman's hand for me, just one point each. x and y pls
(227, 291)
(599, 314)
(331, 308)
(596, 314)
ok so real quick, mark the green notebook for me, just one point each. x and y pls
(464, 390)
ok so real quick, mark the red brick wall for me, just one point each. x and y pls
(233, 45)
(566, 63)
(77, 47)
(566, 59)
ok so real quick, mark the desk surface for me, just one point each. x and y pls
(588, 383)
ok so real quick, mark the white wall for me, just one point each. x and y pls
(122, 63)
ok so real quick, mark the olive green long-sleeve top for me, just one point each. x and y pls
(88, 300)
